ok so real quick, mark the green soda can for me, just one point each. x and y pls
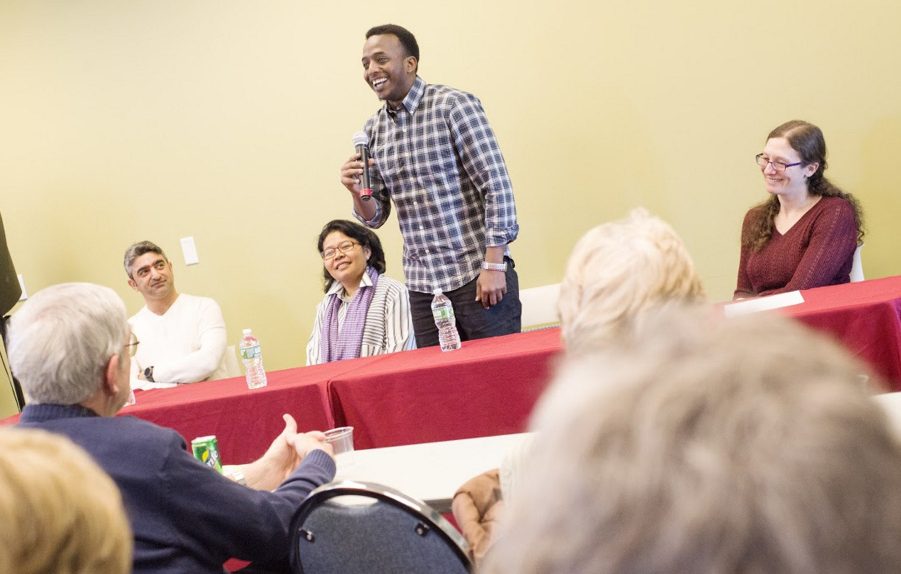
(206, 450)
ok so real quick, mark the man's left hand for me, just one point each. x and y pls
(491, 287)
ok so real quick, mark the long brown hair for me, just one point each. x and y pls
(806, 139)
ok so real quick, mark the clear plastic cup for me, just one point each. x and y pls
(342, 441)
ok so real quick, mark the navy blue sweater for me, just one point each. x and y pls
(185, 516)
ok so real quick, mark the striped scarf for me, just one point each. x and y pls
(346, 344)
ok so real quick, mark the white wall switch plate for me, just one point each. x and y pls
(189, 250)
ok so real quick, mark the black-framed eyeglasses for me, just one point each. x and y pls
(132, 345)
(778, 166)
(343, 247)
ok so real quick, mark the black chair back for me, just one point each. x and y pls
(357, 527)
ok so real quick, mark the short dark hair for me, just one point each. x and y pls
(362, 235)
(138, 249)
(407, 39)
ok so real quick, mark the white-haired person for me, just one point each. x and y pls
(699, 444)
(60, 513)
(70, 347)
(616, 270)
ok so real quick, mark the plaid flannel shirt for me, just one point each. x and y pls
(437, 160)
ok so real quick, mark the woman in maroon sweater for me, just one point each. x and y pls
(805, 234)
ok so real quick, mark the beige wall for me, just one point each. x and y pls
(227, 120)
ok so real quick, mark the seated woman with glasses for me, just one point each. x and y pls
(364, 312)
(806, 233)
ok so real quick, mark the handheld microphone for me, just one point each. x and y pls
(361, 142)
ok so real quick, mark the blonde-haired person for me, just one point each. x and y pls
(699, 444)
(60, 513)
(616, 270)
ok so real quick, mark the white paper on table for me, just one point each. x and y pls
(142, 385)
(763, 304)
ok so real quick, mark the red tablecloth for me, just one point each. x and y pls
(486, 388)
(865, 317)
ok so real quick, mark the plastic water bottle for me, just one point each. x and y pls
(443, 312)
(252, 357)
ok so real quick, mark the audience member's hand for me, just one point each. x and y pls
(283, 456)
(309, 441)
(280, 457)
(277, 463)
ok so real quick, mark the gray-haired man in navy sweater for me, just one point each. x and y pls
(70, 346)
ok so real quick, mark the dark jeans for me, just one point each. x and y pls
(473, 320)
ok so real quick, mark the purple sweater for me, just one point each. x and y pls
(818, 250)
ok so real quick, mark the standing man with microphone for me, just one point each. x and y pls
(434, 155)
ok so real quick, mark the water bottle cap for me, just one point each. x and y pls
(247, 332)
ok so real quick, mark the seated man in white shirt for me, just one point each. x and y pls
(182, 336)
